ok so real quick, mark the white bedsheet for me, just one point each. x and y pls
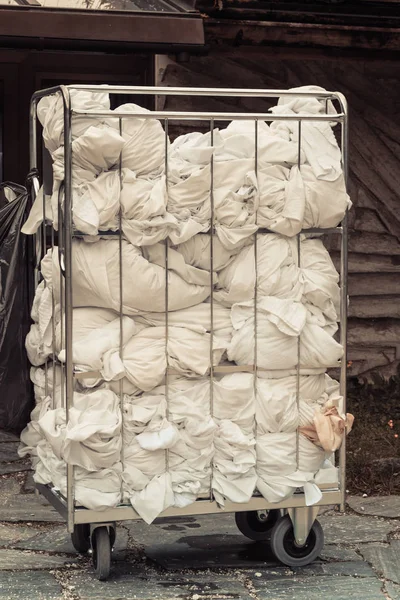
(95, 272)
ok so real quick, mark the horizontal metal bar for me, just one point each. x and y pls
(330, 496)
(45, 92)
(86, 374)
(235, 369)
(185, 91)
(107, 232)
(321, 230)
(218, 369)
(172, 371)
(206, 116)
(55, 499)
(204, 507)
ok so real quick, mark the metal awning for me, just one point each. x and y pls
(159, 25)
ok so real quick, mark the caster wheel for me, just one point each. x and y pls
(101, 544)
(283, 543)
(257, 525)
(80, 538)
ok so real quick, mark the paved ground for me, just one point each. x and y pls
(190, 558)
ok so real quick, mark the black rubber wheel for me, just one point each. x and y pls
(101, 545)
(80, 538)
(283, 543)
(256, 526)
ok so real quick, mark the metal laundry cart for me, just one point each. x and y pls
(295, 535)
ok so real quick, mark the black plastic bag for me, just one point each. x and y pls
(16, 285)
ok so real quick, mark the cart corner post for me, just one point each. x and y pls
(67, 222)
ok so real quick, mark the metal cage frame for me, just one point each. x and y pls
(301, 515)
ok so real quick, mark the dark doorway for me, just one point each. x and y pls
(22, 72)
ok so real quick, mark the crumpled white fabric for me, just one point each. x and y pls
(318, 141)
(31, 435)
(95, 277)
(96, 490)
(196, 318)
(38, 212)
(172, 452)
(145, 352)
(279, 413)
(168, 453)
(95, 332)
(50, 113)
(144, 149)
(282, 273)
(234, 475)
(235, 195)
(238, 140)
(197, 252)
(292, 199)
(53, 373)
(91, 439)
(145, 220)
(95, 151)
(145, 356)
(278, 475)
(280, 324)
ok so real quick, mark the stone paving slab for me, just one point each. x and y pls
(12, 534)
(8, 451)
(393, 590)
(317, 588)
(380, 506)
(384, 559)
(14, 467)
(35, 585)
(29, 508)
(17, 560)
(352, 529)
(134, 583)
(352, 569)
(338, 553)
(5, 436)
(8, 488)
(24, 507)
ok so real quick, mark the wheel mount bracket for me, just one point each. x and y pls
(302, 520)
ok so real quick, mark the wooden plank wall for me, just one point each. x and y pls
(372, 87)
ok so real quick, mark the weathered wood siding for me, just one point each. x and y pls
(373, 90)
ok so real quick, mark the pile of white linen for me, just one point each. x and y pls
(132, 434)
(124, 166)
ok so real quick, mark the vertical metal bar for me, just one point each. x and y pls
(343, 306)
(33, 165)
(256, 275)
(69, 380)
(62, 330)
(53, 330)
(121, 312)
(33, 134)
(43, 247)
(166, 140)
(46, 378)
(299, 338)
(212, 293)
